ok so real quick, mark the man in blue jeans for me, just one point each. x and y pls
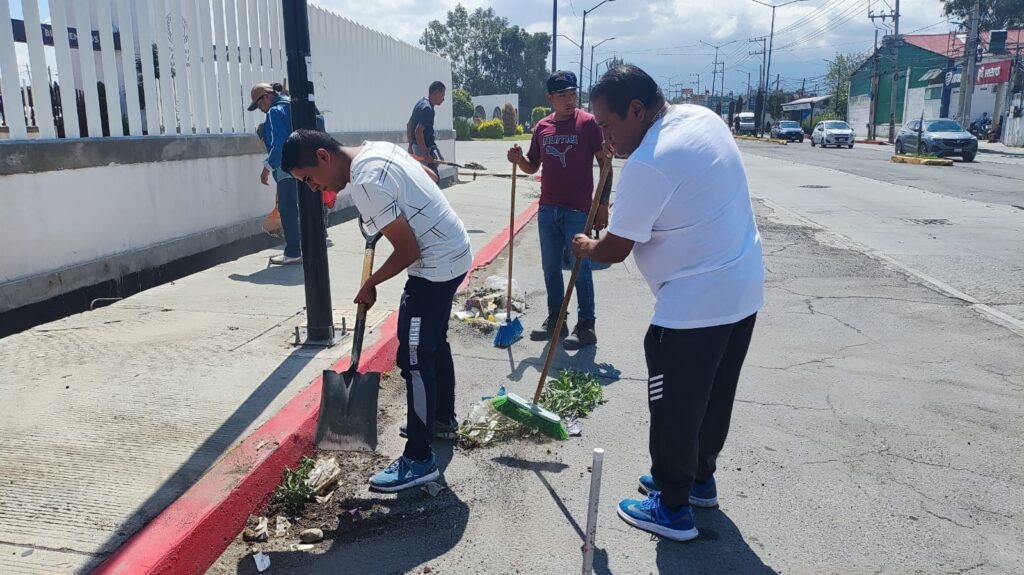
(395, 196)
(277, 107)
(565, 144)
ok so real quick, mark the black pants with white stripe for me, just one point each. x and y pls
(425, 358)
(691, 386)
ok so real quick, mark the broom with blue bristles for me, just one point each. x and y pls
(512, 330)
(532, 414)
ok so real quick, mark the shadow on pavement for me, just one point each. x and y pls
(209, 451)
(583, 360)
(276, 275)
(537, 467)
(720, 548)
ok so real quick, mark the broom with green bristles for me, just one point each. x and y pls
(532, 414)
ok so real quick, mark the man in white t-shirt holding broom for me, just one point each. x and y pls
(683, 210)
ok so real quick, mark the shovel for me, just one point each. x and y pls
(348, 400)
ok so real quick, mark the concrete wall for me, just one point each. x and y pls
(916, 104)
(80, 212)
(1013, 131)
(492, 101)
(858, 114)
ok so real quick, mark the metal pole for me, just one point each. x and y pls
(895, 72)
(590, 84)
(554, 36)
(583, 43)
(319, 319)
(970, 67)
(768, 66)
(592, 506)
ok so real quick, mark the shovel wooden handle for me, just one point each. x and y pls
(511, 244)
(360, 327)
(560, 321)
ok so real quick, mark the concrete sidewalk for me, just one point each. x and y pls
(111, 415)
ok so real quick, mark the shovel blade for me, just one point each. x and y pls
(348, 411)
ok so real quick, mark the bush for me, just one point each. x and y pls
(808, 125)
(508, 119)
(539, 113)
(474, 130)
(492, 129)
(463, 127)
(520, 130)
(462, 104)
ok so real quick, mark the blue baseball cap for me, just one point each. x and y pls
(561, 82)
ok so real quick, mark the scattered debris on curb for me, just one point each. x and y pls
(325, 474)
(301, 547)
(433, 488)
(281, 527)
(311, 536)
(484, 308)
(262, 561)
(256, 533)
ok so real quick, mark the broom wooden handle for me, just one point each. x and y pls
(594, 204)
(511, 243)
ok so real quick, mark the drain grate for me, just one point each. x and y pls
(928, 222)
(815, 186)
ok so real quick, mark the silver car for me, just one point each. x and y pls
(832, 133)
(942, 137)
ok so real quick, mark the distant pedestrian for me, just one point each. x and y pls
(683, 210)
(420, 129)
(276, 129)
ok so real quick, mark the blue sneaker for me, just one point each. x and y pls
(652, 515)
(701, 494)
(404, 473)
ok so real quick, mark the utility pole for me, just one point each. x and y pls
(970, 66)
(698, 83)
(319, 317)
(872, 126)
(771, 38)
(583, 42)
(714, 73)
(554, 36)
(895, 45)
(762, 83)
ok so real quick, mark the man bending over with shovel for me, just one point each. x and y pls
(396, 197)
(683, 210)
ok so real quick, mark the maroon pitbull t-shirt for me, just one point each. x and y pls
(566, 149)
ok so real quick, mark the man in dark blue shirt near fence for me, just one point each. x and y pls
(420, 129)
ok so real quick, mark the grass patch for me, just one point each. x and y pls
(573, 394)
(920, 156)
(292, 494)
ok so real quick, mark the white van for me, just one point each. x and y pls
(747, 124)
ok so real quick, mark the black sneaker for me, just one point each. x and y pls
(448, 431)
(544, 333)
(582, 335)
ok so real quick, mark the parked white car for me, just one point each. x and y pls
(832, 133)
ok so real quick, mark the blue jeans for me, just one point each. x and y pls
(288, 207)
(557, 226)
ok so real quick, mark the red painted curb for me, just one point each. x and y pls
(191, 533)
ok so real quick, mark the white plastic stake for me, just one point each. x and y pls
(595, 496)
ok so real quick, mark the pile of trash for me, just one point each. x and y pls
(485, 308)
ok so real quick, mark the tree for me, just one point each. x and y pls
(995, 14)
(462, 103)
(838, 80)
(508, 119)
(489, 56)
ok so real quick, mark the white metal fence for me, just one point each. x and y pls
(186, 66)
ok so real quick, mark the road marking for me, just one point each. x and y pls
(994, 315)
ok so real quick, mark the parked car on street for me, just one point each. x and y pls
(747, 124)
(788, 130)
(942, 137)
(832, 133)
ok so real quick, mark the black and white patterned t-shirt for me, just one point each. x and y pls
(386, 183)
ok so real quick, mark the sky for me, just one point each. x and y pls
(664, 36)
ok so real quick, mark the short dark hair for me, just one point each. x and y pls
(300, 148)
(623, 84)
(437, 86)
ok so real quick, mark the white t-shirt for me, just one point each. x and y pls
(683, 199)
(388, 182)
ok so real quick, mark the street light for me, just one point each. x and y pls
(574, 43)
(591, 84)
(583, 40)
(771, 41)
(714, 73)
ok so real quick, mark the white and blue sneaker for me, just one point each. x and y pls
(701, 494)
(653, 516)
(404, 473)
